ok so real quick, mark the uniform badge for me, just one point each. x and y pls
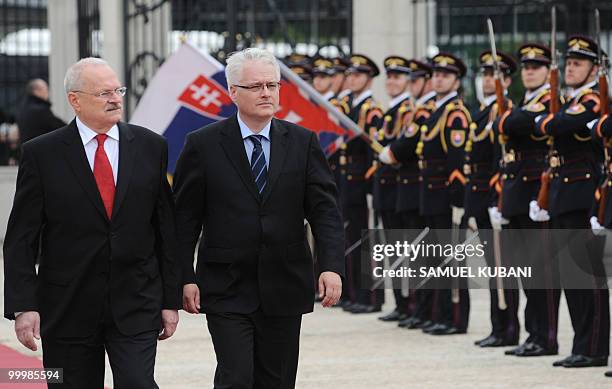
(457, 137)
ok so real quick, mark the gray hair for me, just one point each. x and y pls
(236, 61)
(72, 81)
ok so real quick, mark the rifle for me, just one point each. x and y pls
(604, 101)
(554, 108)
(501, 108)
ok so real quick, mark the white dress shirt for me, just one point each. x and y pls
(111, 145)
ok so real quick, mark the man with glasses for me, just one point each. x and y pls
(93, 198)
(247, 183)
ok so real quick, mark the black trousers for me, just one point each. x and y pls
(360, 274)
(542, 306)
(255, 351)
(504, 323)
(444, 310)
(418, 303)
(132, 358)
(589, 308)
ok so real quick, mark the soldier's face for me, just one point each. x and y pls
(488, 83)
(444, 82)
(396, 84)
(358, 81)
(337, 81)
(578, 71)
(322, 83)
(533, 75)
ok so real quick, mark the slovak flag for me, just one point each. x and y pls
(189, 91)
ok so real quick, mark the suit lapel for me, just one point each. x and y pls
(278, 152)
(127, 154)
(75, 154)
(233, 146)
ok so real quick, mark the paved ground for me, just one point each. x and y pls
(339, 350)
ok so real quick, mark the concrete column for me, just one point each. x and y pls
(111, 26)
(386, 27)
(62, 19)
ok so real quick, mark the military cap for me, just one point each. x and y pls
(534, 52)
(419, 69)
(363, 64)
(506, 63)
(322, 65)
(297, 59)
(449, 63)
(397, 64)
(304, 71)
(581, 46)
(341, 64)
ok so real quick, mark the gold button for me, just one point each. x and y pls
(511, 175)
(524, 178)
(349, 177)
(382, 181)
(429, 186)
(505, 176)
(420, 179)
(474, 188)
(405, 181)
(588, 175)
(566, 179)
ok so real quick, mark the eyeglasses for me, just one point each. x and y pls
(272, 86)
(107, 93)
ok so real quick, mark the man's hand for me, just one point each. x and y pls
(27, 327)
(386, 156)
(191, 298)
(170, 319)
(330, 288)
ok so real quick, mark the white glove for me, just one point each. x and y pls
(597, 228)
(386, 156)
(497, 220)
(536, 214)
(457, 215)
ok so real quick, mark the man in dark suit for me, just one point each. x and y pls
(35, 116)
(93, 199)
(249, 182)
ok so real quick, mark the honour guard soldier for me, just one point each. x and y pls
(440, 151)
(481, 168)
(384, 185)
(575, 173)
(523, 164)
(355, 160)
(300, 64)
(322, 73)
(339, 79)
(403, 152)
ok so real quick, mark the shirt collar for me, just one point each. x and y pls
(426, 97)
(446, 98)
(398, 99)
(246, 131)
(87, 134)
(531, 95)
(576, 92)
(364, 95)
(328, 95)
(344, 93)
(488, 100)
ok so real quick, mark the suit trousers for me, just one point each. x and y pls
(255, 351)
(132, 358)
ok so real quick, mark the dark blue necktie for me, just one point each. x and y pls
(258, 163)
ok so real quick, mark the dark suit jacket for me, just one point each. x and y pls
(36, 118)
(84, 257)
(253, 252)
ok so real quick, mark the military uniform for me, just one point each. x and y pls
(355, 158)
(384, 185)
(523, 164)
(301, 65)
(574, 177)
(481, 168)
(440, 151)
(403, 151)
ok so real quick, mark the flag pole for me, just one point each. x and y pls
(329, 107)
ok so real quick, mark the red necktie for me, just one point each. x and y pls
(103, 172)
